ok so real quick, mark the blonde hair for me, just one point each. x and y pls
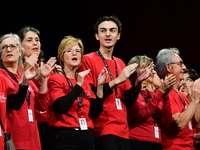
(66, 43)
(140, 60)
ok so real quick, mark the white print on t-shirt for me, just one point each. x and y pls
(83, 123)
(118, 103)
(2, 97)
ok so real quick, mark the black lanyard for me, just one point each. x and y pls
(12, 76)
(107, 67)
(15, 79)
(71, 87)
(147, 100)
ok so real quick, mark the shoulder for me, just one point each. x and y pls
(91, 55)
(57, 76)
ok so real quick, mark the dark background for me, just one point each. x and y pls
(148, 25)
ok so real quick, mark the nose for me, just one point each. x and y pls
(107, 33)
(8, 49)
(73, 52)
(183, 66)
(34, 42)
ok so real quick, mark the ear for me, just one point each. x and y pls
(20, 52)
(118, 36)
(168, 68)
(97, 36)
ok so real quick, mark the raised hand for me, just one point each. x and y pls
(103, 76)
(45, 70)
(30, 61)
(143, 73)
(51, 62)
(195, 92)
(81, 75)
(168, 83)
(57, 69)
(125, 74)
(31, 72)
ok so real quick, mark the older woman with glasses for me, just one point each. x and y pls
(21, 122)
(186, 114)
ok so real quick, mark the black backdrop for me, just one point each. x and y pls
(148, 25)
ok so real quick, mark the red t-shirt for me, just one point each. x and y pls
(174, 139)
(111, 121)
(41, 116)
(59, 87)
(24, 133)
(142, 125)
(5, 88)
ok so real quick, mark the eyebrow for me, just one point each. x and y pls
(108, 28)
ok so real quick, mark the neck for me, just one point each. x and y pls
(151, 88)
(12, 67)
(175, 87)
(106, 52)
(70, 72)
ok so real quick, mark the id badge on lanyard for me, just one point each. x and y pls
(30, 115)
(118, 104)
(156, 131)
(83, 123)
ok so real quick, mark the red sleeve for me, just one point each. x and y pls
(166, 112)
(41, 99)
(56, 84)
(142, 110)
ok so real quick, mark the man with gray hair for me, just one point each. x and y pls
(179, 134)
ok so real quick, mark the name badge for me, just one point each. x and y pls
(156, 132)
(30, 115)
(118, 103)
(83, 123)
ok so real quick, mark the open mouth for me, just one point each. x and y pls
(108, 40)
(74, 59)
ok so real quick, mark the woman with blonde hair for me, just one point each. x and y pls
(70, 99)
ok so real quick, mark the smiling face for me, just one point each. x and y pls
(72, 56)
(31, 43)
(10, 55)
(107, 34)
(176, 68)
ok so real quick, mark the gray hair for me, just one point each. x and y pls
(163, 58)
(18, 40)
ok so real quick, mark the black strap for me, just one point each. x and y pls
(107, 67)
(12, 76)
(147, 100)
(80, 100)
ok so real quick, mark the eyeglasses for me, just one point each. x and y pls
(178, 63)
(12, 47)
(78, 50)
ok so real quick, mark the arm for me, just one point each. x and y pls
(64, 103)
(96, 107)
(125, 74)
(143, 112)
(15, 101)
